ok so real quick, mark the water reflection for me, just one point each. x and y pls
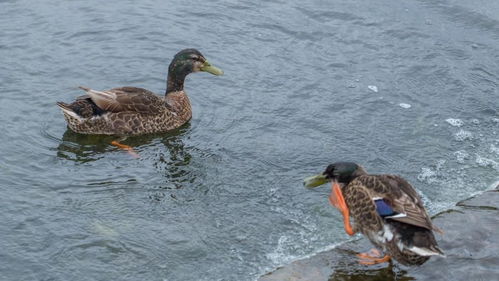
(87, 148)
(366, 274)
(174, 162)
(83, 148)
(349, 269)
(166, 155)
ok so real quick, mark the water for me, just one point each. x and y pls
(221, 198)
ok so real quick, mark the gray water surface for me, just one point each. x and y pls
(221, 198)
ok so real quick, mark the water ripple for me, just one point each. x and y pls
(226, 188)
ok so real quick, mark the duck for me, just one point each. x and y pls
(128, 111)
(385, 208)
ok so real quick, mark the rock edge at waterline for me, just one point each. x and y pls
(470, 242)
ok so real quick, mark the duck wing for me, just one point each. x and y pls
(396, 199)
(405, 201)
(126, 99)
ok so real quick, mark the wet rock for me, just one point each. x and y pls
(470, 241)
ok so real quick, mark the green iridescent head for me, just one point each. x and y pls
(185, 62)
(342, 172)
(191, 60)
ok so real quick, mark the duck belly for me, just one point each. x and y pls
(382, 238)
(397, 246)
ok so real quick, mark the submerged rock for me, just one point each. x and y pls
(470, 242)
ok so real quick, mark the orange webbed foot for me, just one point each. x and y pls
(128, 148)
(374, 256)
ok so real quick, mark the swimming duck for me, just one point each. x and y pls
(133, 111)
(385, 208)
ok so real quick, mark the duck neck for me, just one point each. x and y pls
(175, 82)
(348, 179)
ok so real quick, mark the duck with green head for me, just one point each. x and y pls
(133, 111)
(385, 208)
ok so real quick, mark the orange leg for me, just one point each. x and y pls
(336, 199)
(128, 149)
(374, 256)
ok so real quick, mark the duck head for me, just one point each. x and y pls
(184, 63)
(341, 172)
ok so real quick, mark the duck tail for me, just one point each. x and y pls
(438, 250)
(64, 106)
(84, 88)
(66, 109)
(432, 250)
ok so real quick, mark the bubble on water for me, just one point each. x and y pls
(454, 122)
(405, 105)
(463, 135)
(373, 88)
(461, 155)
(475, 121)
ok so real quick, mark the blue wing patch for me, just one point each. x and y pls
(383, 208)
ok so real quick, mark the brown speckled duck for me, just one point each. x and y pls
(385, 208)
(133, 111)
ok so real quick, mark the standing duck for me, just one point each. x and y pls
(133, 111)
(385, 208)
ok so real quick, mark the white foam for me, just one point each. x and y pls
(279, 255)
(455, 122)
(461, 155)
(282, 256)
(463, 135)
(486, 162)
(405, 105)
(427, 175)
(280, 259)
